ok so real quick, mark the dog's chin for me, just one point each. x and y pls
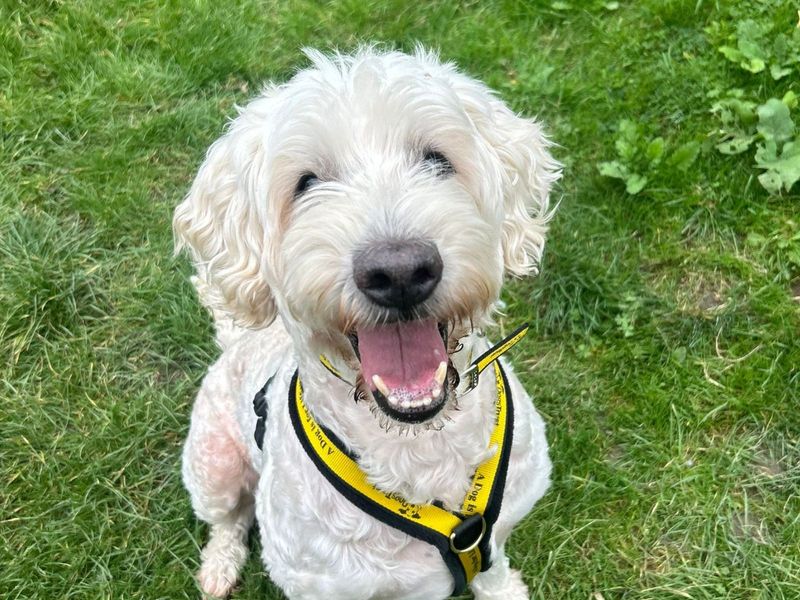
(406, 372)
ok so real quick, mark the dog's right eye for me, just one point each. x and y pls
(438, 162)
(306, 182)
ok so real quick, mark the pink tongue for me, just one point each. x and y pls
(404, 354)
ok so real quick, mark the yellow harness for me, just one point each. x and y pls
(462, 537)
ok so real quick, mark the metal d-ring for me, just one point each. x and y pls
(474, 544)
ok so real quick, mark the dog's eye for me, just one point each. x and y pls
(306, 182)
(438, 162)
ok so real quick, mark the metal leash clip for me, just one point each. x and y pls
(469, 378)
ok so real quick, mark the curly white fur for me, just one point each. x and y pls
(361, 123)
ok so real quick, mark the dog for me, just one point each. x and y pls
(374, 202)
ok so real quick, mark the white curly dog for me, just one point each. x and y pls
(374, 203)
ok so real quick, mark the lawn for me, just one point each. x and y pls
(664, 351)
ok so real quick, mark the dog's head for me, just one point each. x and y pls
(375, 201)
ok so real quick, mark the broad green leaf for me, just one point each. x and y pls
(732, 54)
(744, 109)
(736, 145)
(767, 152)
(774, 122)
(770, 181)
(625, 150)
(679, 354)
(790, 99)
(751, 39)
(789, 165)
(724, 112)
(778, 72)
(752, 51)
(784, 50)
(754, 65)
(635, 183)
(655, 150)
(613, 169)
(794, 256)
(784, 170)
(685, 155)
(731, 109)
(628, 129)
(627, 140)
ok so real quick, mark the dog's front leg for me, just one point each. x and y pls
(220, 481)
(500, 581)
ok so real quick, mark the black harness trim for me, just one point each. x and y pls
(496, 497)
(469, 529)
(261, 409)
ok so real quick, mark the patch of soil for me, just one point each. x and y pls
(795, 290)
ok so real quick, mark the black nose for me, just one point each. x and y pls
(398, 274)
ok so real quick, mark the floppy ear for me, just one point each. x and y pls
(529, 174)
(527, 170)
(220, 223)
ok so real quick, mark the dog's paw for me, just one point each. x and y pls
(511, 588)
(217, 578)
(222, 559)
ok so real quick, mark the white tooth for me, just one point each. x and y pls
(393, 400)
(441, 372)
(406, 404)
(427, 400)
(380, 385)
(437, 389)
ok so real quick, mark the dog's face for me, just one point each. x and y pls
(376, 201)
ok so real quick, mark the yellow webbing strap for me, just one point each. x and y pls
(427, 522)
(491, 355)
(331, 369)
(470, 376)
(477, 497)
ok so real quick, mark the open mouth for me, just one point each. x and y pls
(406, 367)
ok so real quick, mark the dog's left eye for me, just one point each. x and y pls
(306, 182)
(439, 163)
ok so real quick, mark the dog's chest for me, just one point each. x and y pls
(316, 543)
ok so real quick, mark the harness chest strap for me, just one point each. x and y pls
(462, 538)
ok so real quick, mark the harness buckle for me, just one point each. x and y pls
(468, 534)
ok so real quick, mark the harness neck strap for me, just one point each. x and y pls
(462, 538)
(469, 378)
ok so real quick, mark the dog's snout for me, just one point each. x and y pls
(398, 274)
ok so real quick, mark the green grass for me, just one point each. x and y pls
(664, 355)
